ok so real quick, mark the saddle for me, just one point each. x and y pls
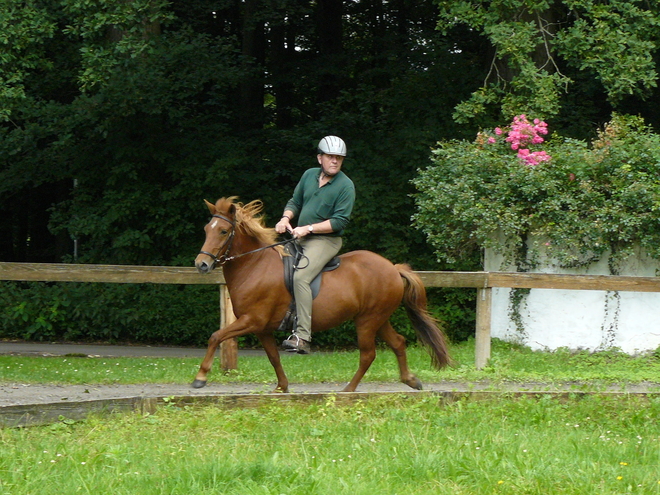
(291, 264)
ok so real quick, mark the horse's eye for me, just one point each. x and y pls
(224, 231)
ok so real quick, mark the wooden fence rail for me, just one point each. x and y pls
(483, 282)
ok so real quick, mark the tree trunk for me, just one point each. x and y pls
(329, 27)
(251, 114)
(282, 63)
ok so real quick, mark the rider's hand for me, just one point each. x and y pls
(283, 225)
(299, 232)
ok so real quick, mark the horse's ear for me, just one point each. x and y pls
(210, 206)
(232, 210)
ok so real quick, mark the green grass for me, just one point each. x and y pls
(395, 445)
(509, 363)
(404, 444)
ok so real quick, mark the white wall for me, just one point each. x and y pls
(593, 320)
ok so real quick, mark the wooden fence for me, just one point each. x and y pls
(483, 282)
(128, 274)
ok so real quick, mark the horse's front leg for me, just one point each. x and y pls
(241, 326)
(270, 346)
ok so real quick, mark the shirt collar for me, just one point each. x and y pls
(332, 178)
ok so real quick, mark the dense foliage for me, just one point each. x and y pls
(126, 115)
(537, 47)
(572, 201)
(118, 118)
(176, 315)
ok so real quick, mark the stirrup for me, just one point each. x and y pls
(301, 346)
(287, 344)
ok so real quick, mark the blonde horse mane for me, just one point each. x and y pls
(249, 219)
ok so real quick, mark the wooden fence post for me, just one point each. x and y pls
(482, 335)
(228, 348)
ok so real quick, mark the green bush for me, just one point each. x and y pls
(138, 313)
(586, 200)
(33, 311)
(183, 315)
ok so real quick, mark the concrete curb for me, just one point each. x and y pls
(40, 414)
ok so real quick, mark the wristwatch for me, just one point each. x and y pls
(311, 229)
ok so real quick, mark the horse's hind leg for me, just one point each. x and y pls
(397, 343)
(367, 345)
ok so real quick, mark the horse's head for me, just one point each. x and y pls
(219, 235)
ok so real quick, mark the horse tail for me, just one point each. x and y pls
(426, 327)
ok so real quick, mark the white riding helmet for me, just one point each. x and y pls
(332, 145)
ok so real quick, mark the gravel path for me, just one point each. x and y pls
(23, 394)
(12, 394)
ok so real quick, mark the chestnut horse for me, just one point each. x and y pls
(366, 288)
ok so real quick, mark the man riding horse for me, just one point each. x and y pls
(322, 202)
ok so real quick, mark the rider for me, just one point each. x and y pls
(322, 201)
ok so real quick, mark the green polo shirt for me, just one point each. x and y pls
(313, 204)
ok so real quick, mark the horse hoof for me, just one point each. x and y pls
(199, 383)
(414, 383)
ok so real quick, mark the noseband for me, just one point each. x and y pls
(217, 259)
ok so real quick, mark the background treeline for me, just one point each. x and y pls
(120, 117)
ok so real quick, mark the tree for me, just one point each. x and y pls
(150, 107)
(26, 29)
(536, 47)
(144, 103)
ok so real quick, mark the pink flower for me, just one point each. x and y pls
(523, 134)
(533, 158)
(542, 128)
(542, 156)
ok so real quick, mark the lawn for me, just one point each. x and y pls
(391, 445)
(399, 444)
(509, 363)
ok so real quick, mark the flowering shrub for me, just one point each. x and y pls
(521, 134)
(515, 192)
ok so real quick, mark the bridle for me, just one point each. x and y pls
(224, 258)
(217, 259)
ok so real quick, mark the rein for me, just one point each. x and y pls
(259, 249)
(221, 260)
